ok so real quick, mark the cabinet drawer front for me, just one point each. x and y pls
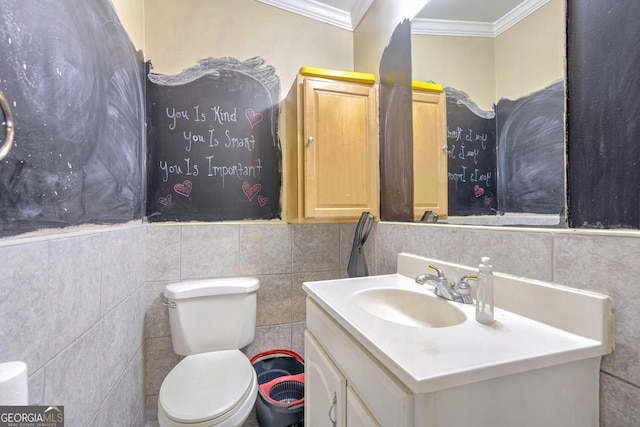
(384, 396)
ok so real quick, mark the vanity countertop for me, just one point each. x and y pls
(427, 359)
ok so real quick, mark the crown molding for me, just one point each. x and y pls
(349, 19)
(517, 14)
(345, 19)
(442, 27)
(358, 12)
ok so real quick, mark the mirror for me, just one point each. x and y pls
(507, 72)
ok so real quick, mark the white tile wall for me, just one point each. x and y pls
(78, 308)
(209, 251)
(75, 283)
(73, 309)
(25, 304)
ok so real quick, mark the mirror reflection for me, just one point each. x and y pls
(502, 69)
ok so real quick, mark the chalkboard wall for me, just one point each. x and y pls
(75, 87)
(214, 152)
(531, 151)
(603, 120)
(396, 129)
(471, 160)
(507, 160)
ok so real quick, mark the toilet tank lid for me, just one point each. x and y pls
(208, 287)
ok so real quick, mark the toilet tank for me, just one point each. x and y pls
(212, 314)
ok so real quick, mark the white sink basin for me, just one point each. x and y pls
(408, 308)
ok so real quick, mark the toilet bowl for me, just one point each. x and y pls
(210, 389)
(215, 384)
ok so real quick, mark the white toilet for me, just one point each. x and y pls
(215, 384)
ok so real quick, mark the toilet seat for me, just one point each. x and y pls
(207, 388)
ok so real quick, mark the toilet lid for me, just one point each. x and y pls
(206, 386)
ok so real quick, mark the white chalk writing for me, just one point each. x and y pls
(238, 170)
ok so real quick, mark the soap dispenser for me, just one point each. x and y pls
(484, 296)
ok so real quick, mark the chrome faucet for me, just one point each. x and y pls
(464, 289)
(460, 292)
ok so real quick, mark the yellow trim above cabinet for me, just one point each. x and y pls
(431, 87)
(348, 76)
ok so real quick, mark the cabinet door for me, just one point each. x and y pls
(324, 388)
(430, 178)
(357, 413)
(340, 149)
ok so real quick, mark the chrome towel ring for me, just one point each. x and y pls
(8, 127)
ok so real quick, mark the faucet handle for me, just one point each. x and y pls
(438, 271)
(463, 287)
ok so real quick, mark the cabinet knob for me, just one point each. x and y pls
(309, 140)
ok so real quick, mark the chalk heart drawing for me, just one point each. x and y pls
(478, 191)
(251, 191)
(262, 200)
(165, 201)
(183, 189)
(253, 117)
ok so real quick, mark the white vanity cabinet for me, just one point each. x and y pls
(336, 365)
(325, 387)
(357, 413)
(332, 402)
(536, 365)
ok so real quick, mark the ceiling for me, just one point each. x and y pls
(486, 18)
